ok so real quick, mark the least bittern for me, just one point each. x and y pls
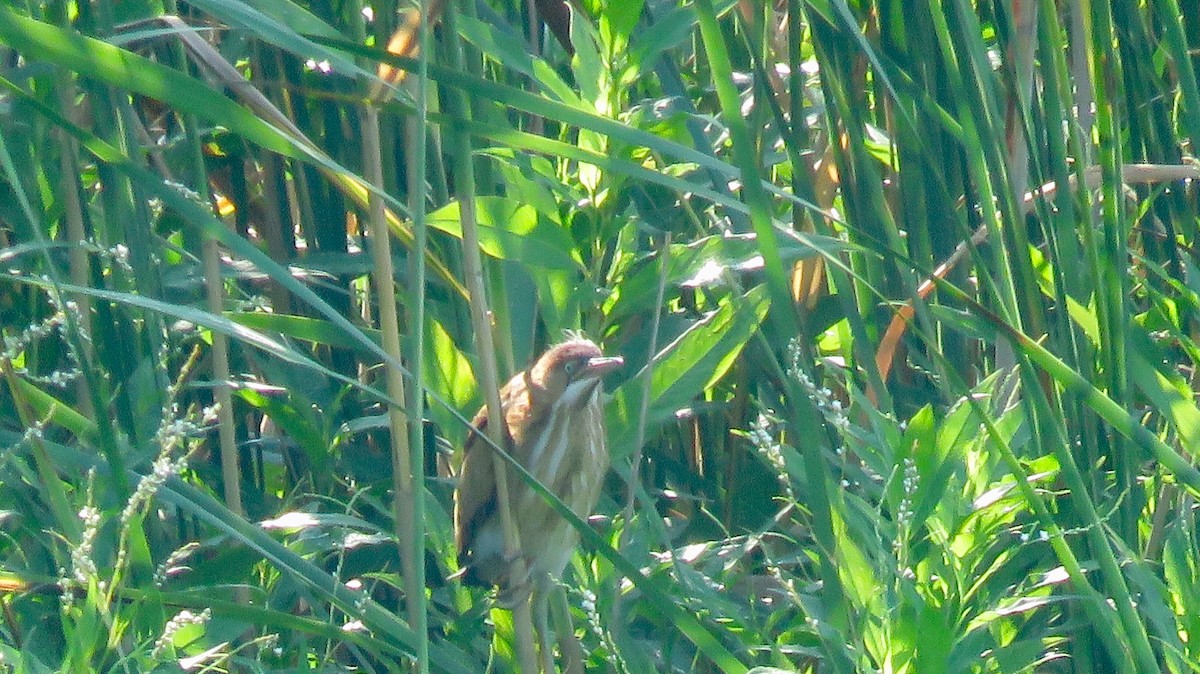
(555, 421)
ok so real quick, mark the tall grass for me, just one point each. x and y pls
(906, 295)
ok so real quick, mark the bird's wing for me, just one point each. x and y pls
(476, 494)
(475, 499)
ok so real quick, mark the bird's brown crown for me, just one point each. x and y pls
(566, 359)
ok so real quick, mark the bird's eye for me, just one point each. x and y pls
(570, 367)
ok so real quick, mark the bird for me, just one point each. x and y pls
(554, 415)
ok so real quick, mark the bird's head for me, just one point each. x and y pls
(571, 371)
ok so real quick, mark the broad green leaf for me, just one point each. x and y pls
(509, 230)
(589, 67)
(696, 360)
(504, 48)
(670, 28)
(449, 372)
(617, 21)
(308, 329)
(45, 406)
(1171, 396)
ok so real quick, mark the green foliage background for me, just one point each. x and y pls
(907, 295)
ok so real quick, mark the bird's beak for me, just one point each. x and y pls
(598, 367)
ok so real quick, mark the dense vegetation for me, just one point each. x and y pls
(907, 295)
